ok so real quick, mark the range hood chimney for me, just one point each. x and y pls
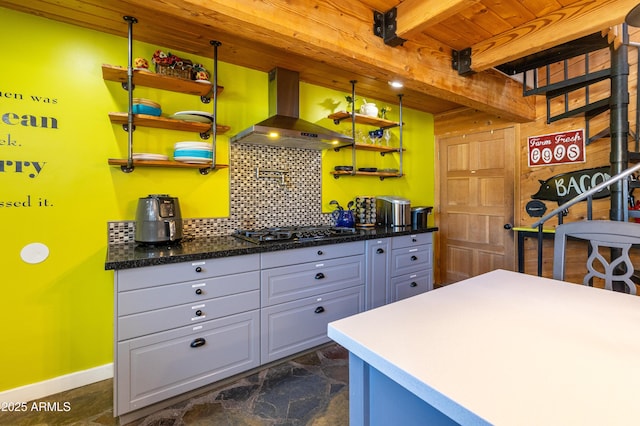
(284, 127)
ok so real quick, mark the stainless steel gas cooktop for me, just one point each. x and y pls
(292, 233)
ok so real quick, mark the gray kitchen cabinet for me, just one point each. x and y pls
(303, 290)
(378, 274)
(291, 327)
(411, 266)
(404, 286)
(181, 326)
(161, 365)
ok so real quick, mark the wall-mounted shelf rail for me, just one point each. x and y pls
(129, 77)
(373, 121)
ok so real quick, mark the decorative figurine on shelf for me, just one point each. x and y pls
(141, 64)
(350, 102)
(201, 72)
(383, 112)
(160, 58)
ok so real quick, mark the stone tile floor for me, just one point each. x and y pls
(311, 389)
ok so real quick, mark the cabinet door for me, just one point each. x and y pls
(278, 258)
(150, 276)
(153, 368)
(135, 325)
(295, 326)
(411, 259)
(298, 281)
(409, 285)
(162, 296)
(412, 240)
(378, 271)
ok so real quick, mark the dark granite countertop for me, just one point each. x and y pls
(129, 255)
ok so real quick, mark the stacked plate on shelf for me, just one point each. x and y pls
(146, 106)
(199, 116)
(149, 156)
(193, 152)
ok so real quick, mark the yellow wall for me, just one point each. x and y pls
(57, 315)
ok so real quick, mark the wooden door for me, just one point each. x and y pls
(476, 175)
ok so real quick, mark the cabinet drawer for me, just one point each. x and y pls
(295, 326)
(153, 368)
(405, 286)
(310, 254)
(135, 301)
(141, 324)
(295, 282)
(410, 259)
(411, 240)
(149, 276)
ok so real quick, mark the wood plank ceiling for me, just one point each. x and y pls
(331, 42)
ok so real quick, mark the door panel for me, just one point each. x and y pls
(476, 201)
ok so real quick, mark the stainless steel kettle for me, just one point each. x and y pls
(158, 219)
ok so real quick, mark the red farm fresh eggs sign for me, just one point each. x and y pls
(557, 148)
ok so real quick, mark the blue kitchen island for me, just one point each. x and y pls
(502, 348)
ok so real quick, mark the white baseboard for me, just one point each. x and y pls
(57, 384)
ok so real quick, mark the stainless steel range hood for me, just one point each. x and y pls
(284, 127)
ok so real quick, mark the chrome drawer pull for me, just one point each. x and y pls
(319, 276)
(319, 310)
(198, 342)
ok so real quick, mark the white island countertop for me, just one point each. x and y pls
(509, 349)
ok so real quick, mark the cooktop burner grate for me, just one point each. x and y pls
(292, 233)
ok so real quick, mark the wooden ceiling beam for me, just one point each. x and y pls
(414, 16)
(339, 34)
(569, 23)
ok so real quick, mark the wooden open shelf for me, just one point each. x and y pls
(375, 148)
(159, 81)
(165, 123)
(381, 175)
(161, 163)
(364, 119)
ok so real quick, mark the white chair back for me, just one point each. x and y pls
(600, 234)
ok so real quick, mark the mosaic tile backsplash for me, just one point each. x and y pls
(269, 186)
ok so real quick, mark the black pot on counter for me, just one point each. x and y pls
(419, 216)
(158, 219)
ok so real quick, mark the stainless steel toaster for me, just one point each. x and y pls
(393, 211)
